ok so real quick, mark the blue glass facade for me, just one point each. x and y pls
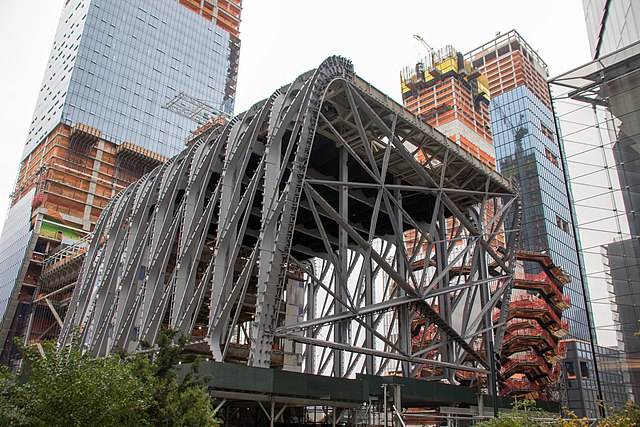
(527, 149)
(114, 65)
(14, 241)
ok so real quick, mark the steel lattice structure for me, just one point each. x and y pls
(325, 220)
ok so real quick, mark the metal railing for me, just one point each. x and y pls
(67, 254)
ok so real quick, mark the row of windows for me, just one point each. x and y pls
(125, 71)
(57, 74)
(570, 369)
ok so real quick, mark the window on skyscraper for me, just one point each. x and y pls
(571, 370)
(552, 157)
(562, 224)
(584, 370)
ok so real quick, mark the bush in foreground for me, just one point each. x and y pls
(525, 414)
(68, 388)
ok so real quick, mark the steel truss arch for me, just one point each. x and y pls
(324, 229)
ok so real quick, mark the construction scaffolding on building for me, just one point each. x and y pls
(72, 174)
(279, 242)
(445, 91)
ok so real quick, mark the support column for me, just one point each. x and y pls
(340, 332)
(368, 297)
(493, 383)
(272, 418)
(384, 404)
(480, 274)
(404, 322)
(444, 301)
(397, 405)
(310, 353)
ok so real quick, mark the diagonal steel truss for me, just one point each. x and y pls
(324, 229)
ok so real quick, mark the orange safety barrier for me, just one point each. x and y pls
(543, 284)
(529, 363)
(522, 387)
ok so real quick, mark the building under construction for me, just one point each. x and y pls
(105, 116)
(447, 92)
(450, 93)
(69, 179)
(528, 150)
(293, 256)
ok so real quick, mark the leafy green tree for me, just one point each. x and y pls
(67, 388)
(11, 412)
(176, 403)
(628, 417)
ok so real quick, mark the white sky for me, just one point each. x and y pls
(283, 38)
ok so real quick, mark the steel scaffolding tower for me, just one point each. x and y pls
(324, 230)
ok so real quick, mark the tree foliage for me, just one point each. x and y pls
(628, 417)
(68, 388)
(524, 414)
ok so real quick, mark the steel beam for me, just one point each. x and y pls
(328, 181)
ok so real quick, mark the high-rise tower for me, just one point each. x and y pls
(527, 149)
(448, 92)
(600, 108)
(113, 105)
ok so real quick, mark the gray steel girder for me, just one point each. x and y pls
(327, 169)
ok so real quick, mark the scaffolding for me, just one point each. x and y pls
(73, 173)
(281, 242)
(447, 92)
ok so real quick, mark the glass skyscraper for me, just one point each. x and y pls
(114, 65)
(527, 149)
(599, 104)
(103, 118)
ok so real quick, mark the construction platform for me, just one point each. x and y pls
(261, 391)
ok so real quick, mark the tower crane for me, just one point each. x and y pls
(519, 131)
(420, 65)
(424, 43)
